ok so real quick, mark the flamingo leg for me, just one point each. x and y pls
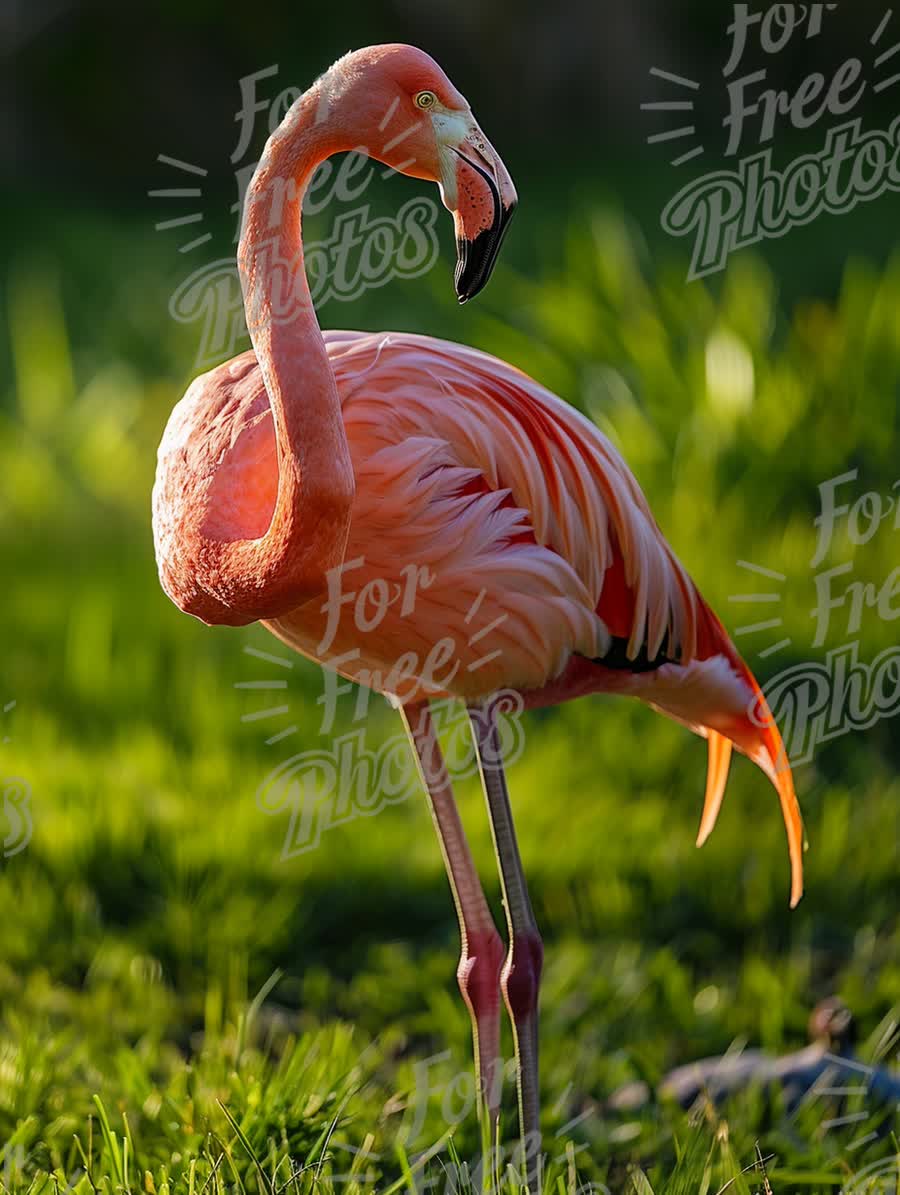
(482, 953)
(521, 976)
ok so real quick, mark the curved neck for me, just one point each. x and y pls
(309, 526)
(280, 316)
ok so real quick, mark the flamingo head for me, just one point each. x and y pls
(397, 104)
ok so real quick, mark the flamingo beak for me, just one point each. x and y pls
(485, 200)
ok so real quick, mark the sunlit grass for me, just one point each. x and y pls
(152, 903)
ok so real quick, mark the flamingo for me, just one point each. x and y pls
(545, 567)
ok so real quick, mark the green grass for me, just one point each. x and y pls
(182, 1010)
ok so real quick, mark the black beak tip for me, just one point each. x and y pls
(476, 258)
(467, 288)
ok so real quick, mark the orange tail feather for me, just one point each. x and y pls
(716, 778)
(763, 744)
(758, 738)
(772, 758)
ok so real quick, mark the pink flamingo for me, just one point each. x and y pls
(544, 565)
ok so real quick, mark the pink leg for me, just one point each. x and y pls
(481, 958)
(521, 976)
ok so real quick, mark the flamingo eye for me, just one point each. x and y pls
(425, 99)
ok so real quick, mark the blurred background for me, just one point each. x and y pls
(145, 899)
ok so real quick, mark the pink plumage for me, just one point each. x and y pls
(542, 550)
(501, 538)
